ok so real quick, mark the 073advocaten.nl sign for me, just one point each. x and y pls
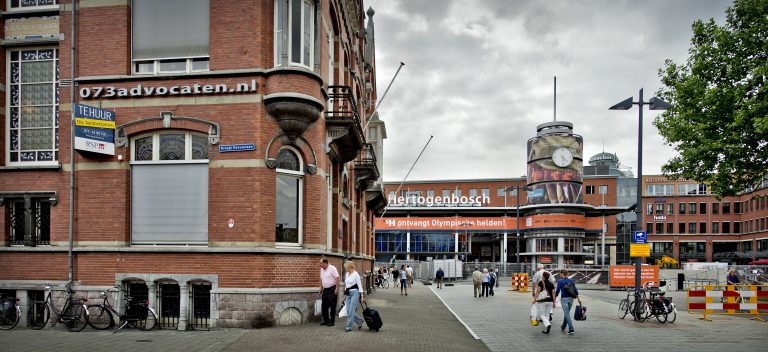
(101, 92)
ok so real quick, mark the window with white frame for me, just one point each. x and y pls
(295, 32)
(32, 4)
(169, 188)
(33, 106)
(289, 201)
(170, 36)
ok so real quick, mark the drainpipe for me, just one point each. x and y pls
(72, 92)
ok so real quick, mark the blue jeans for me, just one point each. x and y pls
(351, 303)
(566, 302)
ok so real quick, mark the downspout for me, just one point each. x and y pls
(72, 92)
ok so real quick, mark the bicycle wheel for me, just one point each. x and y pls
(386, 284)
(661, 314)
(672, 315)
(78, 317)
(623, 308)
(147, 321)
(10, 317)
(38, 315)
(99, 317)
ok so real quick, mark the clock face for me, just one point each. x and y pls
(562, 157)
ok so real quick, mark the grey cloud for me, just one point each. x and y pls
(478, 76)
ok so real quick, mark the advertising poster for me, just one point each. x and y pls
(94, 129)
(555, 169)
(624, 275)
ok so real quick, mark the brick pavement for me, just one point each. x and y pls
(417, 322)
(502, 324)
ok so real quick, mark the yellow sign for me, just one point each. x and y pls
(639, 250)
(94, 123)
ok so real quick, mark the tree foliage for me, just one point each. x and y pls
(719, 120)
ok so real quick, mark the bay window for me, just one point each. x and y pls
(289, 198)
(33, 106)
(169, 188)
(170, 36)
(295, 31)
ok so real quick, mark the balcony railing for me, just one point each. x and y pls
(342, 107)
(365, 167)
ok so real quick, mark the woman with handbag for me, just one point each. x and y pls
(544, 299)
(354, 294)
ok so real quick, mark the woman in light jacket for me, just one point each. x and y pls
(353, 291)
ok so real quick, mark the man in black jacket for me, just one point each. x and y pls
(439, 277)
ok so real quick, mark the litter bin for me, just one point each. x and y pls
(680, 281)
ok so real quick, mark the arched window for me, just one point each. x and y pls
(289, 197)
(169, 188)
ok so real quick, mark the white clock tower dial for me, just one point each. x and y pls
(562, 157)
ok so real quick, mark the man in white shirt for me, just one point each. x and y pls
(410, 275)
(329, 291)
(539, 275)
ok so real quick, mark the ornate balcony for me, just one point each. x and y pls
(366, 171)
(343, 123)
(294, 113)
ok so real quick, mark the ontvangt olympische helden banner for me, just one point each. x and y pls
(94, 129)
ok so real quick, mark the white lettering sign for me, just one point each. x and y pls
(98, 92)
(454, 200)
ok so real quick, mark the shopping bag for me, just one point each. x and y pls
(343, 311)
(534, 315)
(318, 306)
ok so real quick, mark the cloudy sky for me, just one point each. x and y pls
(478, 76)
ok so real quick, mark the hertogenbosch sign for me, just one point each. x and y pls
(97, 92)
(94, 129)
(421, 201)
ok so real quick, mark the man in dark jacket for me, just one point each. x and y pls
(566, 288)
(439, 275)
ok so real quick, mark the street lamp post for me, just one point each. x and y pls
(517, 190)
(653, 104)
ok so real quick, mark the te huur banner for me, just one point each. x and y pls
(94, 129)
(624, 275)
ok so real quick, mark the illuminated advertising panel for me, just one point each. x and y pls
(555, 169)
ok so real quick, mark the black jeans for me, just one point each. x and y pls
(329, 298)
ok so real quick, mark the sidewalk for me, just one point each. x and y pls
(503, 325)
(417, 322)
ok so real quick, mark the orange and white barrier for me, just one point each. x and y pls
(519, 282)
(728, 300)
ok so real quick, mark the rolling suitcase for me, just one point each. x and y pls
(580, 313)
(372, 318)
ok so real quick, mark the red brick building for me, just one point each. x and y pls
(240, 157)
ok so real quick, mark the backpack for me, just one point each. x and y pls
(569, 287)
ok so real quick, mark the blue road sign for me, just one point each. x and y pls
(640, 237)
(236, 147)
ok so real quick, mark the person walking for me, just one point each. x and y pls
(567, 290)
(410, 275)
(544, 299)
(538, 275)
(496, 272)
(354, 295)
(486, 283)
(329, 291)
(403, 280)
(439, 277)
(395, 275)
(477, 280)
(492, 282)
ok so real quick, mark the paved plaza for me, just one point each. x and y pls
(422, 322)
(502, 323)
(417, 322)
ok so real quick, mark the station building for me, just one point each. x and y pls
(476, 219)
(242, 152)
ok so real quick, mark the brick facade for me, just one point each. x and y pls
(243, 263)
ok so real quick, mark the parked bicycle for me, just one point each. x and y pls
(624, 305)
(10, 313)
(138, 314)
(74, 314)
(382, 282)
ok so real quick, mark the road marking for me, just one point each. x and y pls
(454, 314)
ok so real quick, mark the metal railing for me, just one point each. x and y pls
(200, 306)
(342, 106)
(169, 297)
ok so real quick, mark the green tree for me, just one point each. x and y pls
(719, 122)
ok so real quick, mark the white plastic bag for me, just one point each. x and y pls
(318, 306)
(343, 311)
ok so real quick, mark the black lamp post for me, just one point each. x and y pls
(653, 104)
(517, 217)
